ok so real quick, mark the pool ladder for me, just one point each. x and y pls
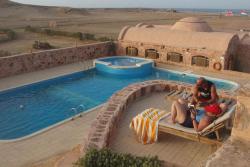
(80, 108)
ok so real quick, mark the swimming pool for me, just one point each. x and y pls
(31, 108)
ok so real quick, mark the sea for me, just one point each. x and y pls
(236, 11)
(198, 10)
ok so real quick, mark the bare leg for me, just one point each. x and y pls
(179, 111)
(174, 111)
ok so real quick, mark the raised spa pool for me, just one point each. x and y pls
(31, 108)
(124, 65)
(124, 61)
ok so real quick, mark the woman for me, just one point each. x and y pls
(186, 115)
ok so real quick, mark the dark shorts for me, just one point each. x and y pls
(188, 123)
(203, 99)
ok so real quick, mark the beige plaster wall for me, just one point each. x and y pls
(29, 62)
(188, 53)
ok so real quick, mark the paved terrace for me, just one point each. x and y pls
(26, 78)
(67, 136)
(172, 149)
(43, 146)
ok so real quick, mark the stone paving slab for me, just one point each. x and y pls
(172, 149)
(27, 78)
(53, 142)
(231, 154)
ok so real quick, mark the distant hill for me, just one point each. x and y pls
(13, 9)
(6, 3)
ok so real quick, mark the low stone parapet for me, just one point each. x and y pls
(29, 62)
(103, 128)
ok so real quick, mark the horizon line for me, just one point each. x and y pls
(135, 7)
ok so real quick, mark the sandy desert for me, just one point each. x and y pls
(100, 22)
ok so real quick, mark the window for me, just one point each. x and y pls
(131, 51)
(201, 61)
(152, 54)
(175, 57)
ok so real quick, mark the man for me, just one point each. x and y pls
(204, 92)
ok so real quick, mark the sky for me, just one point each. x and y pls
(207, 4)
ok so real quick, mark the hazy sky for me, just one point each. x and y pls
(224, 4)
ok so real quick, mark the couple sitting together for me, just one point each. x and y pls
(204, 98)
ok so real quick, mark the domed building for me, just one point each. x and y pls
(189, 42)
(192, 24)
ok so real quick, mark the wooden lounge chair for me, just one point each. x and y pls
(176, 94)
(166, 126)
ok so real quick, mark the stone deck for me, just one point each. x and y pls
(27, 78)
(172, 149)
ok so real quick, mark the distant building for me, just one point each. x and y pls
(52, 24)
(189, 42)
(243, 13)
(229, 13)
(3, 36)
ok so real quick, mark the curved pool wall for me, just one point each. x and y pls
(124, 65)
(34, 107)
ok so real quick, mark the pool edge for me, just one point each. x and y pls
(236, 85)
(52, 126)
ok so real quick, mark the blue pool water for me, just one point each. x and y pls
(122, 61)
(30, 108)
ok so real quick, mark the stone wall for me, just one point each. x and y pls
(29, 62)
(187, 53)
(241, 128)
(242, 62)
(104, 126)
(236, 150)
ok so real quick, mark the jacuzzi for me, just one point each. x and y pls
(124, 66)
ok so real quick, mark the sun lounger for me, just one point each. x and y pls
(174, 95)
(177, 94)
(166, 126)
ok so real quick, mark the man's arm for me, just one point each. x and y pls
(214, 95)
(195, 95)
